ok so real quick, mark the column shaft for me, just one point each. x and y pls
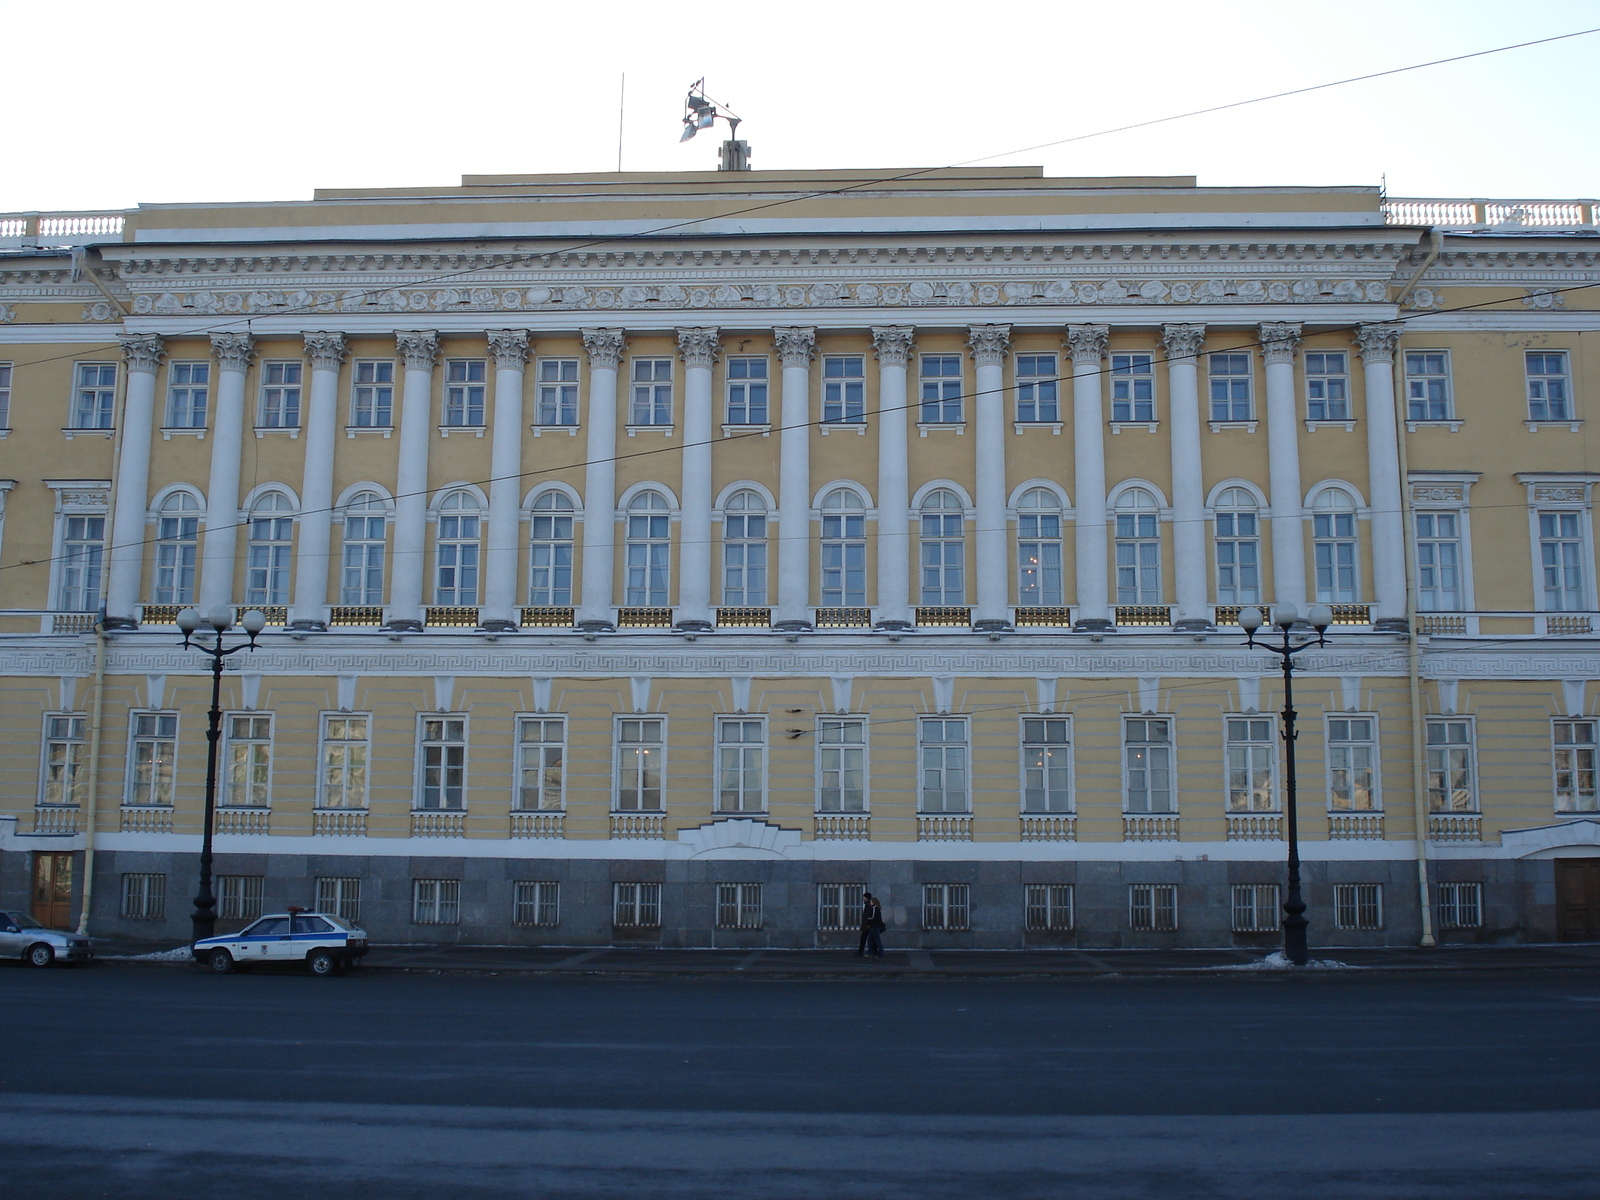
(892, 344)
(1377, 344)
(795, 350)
(698, 348)
(312, 562)
(143, 355)
(1183, 343)
(605, 347)
(420, 349)
(510, 350)
(1286, 500)
(233, 352)
(989, 344)
(1087, 344)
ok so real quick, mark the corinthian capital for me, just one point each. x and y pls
(142, 351)
(419, 347)
(605, 347)
(1279, 343)
(325, 350)
(892, 344)
(1377, 343)
(233, 351)
(796, 346)
(1087, 343)
(1183, 341)
(989, 343)
(698, 347)
(509, 347)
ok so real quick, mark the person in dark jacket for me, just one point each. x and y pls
(871, 927)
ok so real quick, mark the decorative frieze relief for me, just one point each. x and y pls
(101, 310)
(8, 312)
(1453, 494)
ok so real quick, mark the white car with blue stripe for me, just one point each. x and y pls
(326, 944)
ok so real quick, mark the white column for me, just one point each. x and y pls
(233, 352)
(510, 350)
(698, 348)
(1087, 344)
(796, 348)
(605, 347)
(312, 564)
(143, 355)
(1377, 344)
(1183, 344)
(892, 345)
(1279, 342)
(420, 350)
(989, 344)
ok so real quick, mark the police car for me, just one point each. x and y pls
(326, 944)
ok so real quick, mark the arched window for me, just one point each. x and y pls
(455, 579)
(943, 549)
(649, 550)
(177, 546)
(1333, 546)
(550, 550)
(844, 550)
(744, 549)
(1138, 548)
(365, 523)
(271, 547)
(1038, 548)
(1238, 547)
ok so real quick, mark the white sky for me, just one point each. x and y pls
(174, 100)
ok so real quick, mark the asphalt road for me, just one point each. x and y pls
(159, 1082)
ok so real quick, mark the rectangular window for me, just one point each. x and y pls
(839, 905)
(1046, 765)
(444, 763)
(456, 556)
(641, 758)
(1049, 906)
(1153, 907)
(1352, 756)
(1147, 765)
(5, 395)
(744, 551)
(94, 399)
(372, 401)
(1460, 906)
(435, 901)
(1255, 907)
(1327, 386)
(280, 395)
(1427, 385)
(844, 389)
(652, 392)
(363, 552)
(558, 391)
(1439, 561)
(66, 748)
(188, 388)
(941, 389)
(83, 546)
(1333, 549)
(942, 549)
(464, 391)
(636, 905)
(1133, 387)
(541, 760)
(844, 555)
(738, 906)
(1252, 757)
(747, 391)
(1231, 378)
(1561, 561)
(144, 896)
(741, 754)
(1549, 391)
(550, 551)
(153, 754)
(249, 761)
(340, 896)
(1138, 553)
(344, 762)
(1038, 389)
(1574, 763)
(1451, 787)
(536, 902)
(1238, 547)
(1039, 577)
(841, 764)
(944, 765)
(239, 897)
(945, 906)
(1358, 905)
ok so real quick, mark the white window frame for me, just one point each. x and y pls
(282, 394)
(74, 741)
(177, 549)
(541, 749)
(635, 904)
(618, 769)
(1256, 908)
(940, 530)
(744, 553)
(1446, 792)
(536, 903)
(1049, 907)
(6, 370)
(843, 903)
(1421, 377)
(445, 739)
(648, 595)
(1033, 576)
(1573, 750)
(844, 394)
(744, 387)
(269, 560)
(747, 758)
(436, 901)
(1126, 370)
(1153, 907)
(1029, 770)
(466, 395)
(946, 907)
(184, 391)
(1042, 391)
(239, 897)
(100, 413)
(1370, 744)
(372, 393)
(1447, 492)
(1137, 541)
(847, 545)
(339, 896)
(261, 747)
(153, 798)
(943, 745)
(1321, 507)
(832, 762)
(1238, 592)
(651, 397)
(79, 559)
(356, 554)
(1550, 494)
(463, 564)
(1460, 905)
(144, 895)
(324, 799)
(941, 417)
(1230, 417)
(545, 549)
(1358, 906)
(1264, 749)
(1327, 379)
(558, 395)
(738, 906)
(1129, 744)
(1536, 383)
(1430, 570)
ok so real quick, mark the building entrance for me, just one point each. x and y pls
(1578, 899)
(52, 890)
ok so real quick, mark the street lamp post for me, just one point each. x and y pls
(1285, 617)
(220, 620)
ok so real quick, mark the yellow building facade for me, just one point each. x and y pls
(669, 558)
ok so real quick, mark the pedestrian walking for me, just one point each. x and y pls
(872, 927)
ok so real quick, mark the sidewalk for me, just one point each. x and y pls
(915, 964)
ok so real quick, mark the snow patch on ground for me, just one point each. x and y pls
(1276, 961)
(179, 954)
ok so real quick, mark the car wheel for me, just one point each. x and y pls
(322, 962)
(39, 955)
(220, 962)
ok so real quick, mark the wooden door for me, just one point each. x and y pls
(52, 890)
(1578, 899)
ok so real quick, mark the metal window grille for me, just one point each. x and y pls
(636, 905)
(1049, 906)
(839, 905)
(144, 896)
(340, 896)
(1255, 907)
(738, 906)
(1153, 907)
(436, 901)
(945, 906)
(239, 897)
(1358, 905)
(1460, 905)
(536, 902)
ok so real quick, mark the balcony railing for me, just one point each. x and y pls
(368, 615)
(154, 819)
(1255, 827)
(72, 622)
(1455, 827)
(843, 827)
(55, 819)
(438, 824)
(744, 618)
(60, 228)
(1152, 615)
(1568, 625)
(1437, 626)
(940, 616)
(276, 614)
(160, 614)
(1350, 826)
(637, 825)
(451, 616)
(1491, 214)
(547, 618)
(1351, 614)
(1044, 618)
(1054, 828)
(538, 824)
(340, 822)
(244, 820)
(644, 618)
(944, 828)
(1149, 829)
(844, 618)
